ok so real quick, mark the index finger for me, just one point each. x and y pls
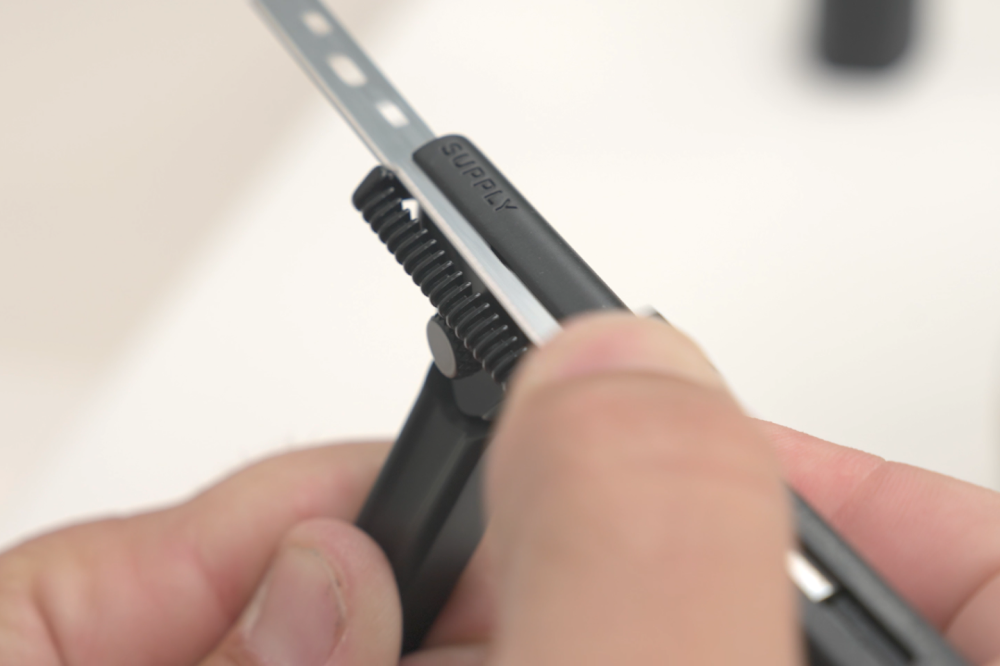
(934, 538)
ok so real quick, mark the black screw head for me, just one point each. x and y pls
(451, 357)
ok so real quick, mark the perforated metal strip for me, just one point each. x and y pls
(393, 131)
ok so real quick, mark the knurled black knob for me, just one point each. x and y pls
(450, 354)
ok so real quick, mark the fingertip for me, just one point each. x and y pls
(823, 473)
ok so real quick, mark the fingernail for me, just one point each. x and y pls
(607, 343)
(297, 617)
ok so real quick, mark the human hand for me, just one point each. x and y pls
(637, 516)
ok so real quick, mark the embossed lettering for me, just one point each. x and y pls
(478, 176)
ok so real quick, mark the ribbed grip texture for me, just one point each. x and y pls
(472, 315)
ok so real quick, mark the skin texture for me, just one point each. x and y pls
(637, 516)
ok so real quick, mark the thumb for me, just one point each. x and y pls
(639, 516)
(328, 599)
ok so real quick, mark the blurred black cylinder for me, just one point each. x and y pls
(868, 34)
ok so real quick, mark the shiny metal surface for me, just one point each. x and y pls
(814, 585)
(393, 131)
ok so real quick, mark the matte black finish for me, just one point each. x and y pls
(865, 621)
(518, 234)
(424, 508)
(868, 34)
(454, 545)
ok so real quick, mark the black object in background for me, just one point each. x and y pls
(425, 510)
(865, 34)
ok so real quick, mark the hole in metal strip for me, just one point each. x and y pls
(347, 70)
(393, 115)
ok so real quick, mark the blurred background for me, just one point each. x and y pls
(184, 286)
